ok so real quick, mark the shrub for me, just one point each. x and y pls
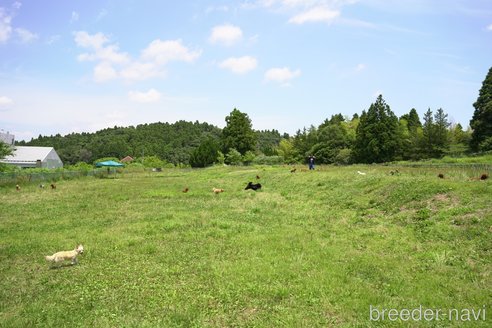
(268, 160)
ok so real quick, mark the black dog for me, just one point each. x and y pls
(254, 186)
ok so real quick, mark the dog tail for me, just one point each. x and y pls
(50, 258)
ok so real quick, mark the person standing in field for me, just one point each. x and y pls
(311, 162)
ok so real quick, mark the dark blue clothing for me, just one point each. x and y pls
(311, 163)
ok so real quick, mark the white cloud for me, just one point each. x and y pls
(75, 17)
(304, 11)
(5, 26)
(145, 97)
(103, 13)
(360, 67)
(112, 63)
(104, 72)
(162, 52)
(101, 50)
(25, 36)
(226, 34)
(53, 39)
(315, 15)
(239, 65)
(85, 40)
(5, 101)
(489, 27)
(138, 71)
(212, 9)
(281, 75)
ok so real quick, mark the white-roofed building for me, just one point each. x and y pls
(27, 156)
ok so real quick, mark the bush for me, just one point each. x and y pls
(268, 160)
(248, 157)
(233, 157)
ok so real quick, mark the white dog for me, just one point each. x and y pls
(66, 255)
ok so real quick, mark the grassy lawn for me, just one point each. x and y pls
(310, 249)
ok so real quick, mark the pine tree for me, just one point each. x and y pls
(377, 138)
(427, 142)
(481, 122)
(441, 133)
(238, 133)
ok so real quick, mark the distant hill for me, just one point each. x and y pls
(172, 142)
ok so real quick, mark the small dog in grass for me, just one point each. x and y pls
(254, 186)
(217, 190)
(66, 255)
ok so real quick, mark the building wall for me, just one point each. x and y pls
(52, 160)
(7, 138)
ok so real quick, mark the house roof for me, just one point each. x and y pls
(127, 159)
(28, 154)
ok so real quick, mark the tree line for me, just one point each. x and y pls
(375, 136)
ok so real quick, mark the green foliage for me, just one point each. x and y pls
(481, 122)
(233, 157)
(268, 160)
(238, 133)
(435, 141)
(304, 141)
(343, 157)
(5, 150)
(205, 154)
(286, 151)
(220, 157)
(151, 161)
(248, 157)
(333, 136)
(268, 141)
(173, 143)
(82, 166)
(412, 119)
(377, 138)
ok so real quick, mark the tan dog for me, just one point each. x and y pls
(66, 255)
(217, 190)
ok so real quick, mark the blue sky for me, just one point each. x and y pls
(80, 66)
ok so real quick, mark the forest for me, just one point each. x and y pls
(377, 135)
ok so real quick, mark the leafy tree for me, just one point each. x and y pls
(331, 139)
(286, 150)
(238, 133)
(344, 157)
(173, 143)
(5, 150)
(205, 154)
(481, 122)
(304, 141)
(268, 141)
(377, 138)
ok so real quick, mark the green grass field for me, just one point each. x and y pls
(311, 249)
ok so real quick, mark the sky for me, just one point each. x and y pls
(84, 65)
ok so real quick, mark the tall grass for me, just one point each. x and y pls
(310, 249)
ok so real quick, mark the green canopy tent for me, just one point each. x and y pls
(109, 164)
